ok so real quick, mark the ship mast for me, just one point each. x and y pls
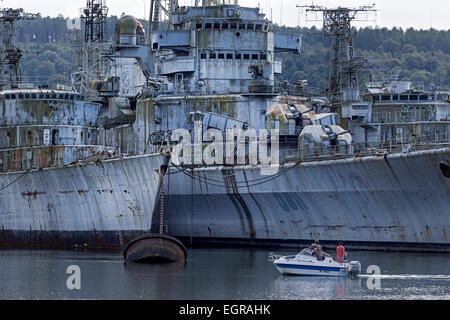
(90, 47)
(10, 55)
(343, 82)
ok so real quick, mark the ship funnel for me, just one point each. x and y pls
(127, 30)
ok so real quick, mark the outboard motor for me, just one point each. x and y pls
(354, 268)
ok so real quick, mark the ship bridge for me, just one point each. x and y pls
(214, 49)
(218, 47)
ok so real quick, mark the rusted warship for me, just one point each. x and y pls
(368, 168)
(65, 179)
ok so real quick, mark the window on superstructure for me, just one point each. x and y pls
(376, 98)
(254, 57)
(13, 97)
(264, 57)
(386, 98)
(20, 96)
(266, 27)
(55, 136)
(233, 26)
(229, 56)
(225, 26)
(217, 25)
(33, 96)
(238, 56)
(250, 26)
(203, 56)
(212, 55)
(423, 97)
(199, 26)
(71, 97)
(259, 27)
(246, 57)
(27, 96)
(242, 26)
(395, 97)
(403, 97)
(414, 97)
(7, 96)
(221, 56)
(208, 25)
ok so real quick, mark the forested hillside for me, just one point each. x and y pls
(420, 55)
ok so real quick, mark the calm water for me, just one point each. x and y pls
(214, 274)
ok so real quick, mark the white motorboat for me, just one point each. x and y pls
(306, 264)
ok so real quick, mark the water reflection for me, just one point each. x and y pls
(154, 281)
(214, 274)
(314, 288)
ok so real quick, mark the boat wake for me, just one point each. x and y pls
(408, 276)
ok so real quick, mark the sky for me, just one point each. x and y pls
(418, 14)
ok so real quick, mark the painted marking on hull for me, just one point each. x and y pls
(290, 266)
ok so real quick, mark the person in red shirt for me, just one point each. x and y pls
(340, 252)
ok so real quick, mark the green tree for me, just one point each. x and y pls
(45, 69)
(49, 55)
(409, 48)
(414, 61)
(422, 76)
(391, 46)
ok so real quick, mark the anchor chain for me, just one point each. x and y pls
(161, 201)
(121, 239)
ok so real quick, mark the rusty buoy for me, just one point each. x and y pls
(153, 248)
(156, 247)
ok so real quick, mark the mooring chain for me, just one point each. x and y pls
(161, 201)
(121, 239)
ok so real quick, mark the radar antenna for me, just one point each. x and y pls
(89, 45)
(10, 55)
(343, 83)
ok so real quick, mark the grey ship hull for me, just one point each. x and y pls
(399, 201)
(101, 205)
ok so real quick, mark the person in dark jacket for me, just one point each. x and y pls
(317, 250)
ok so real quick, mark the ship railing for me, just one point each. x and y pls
(295, 132)
(272, 88)
(297, 90)
(34, 82)
(391, 146)
(404, 116)
(343, 151)
(28, 158)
